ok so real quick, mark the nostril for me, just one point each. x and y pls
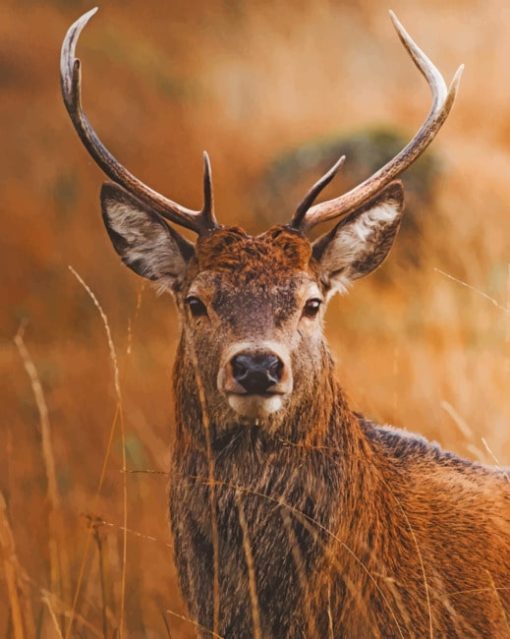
(275, 367)
(240, 366)
(257, 372)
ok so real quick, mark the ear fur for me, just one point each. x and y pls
(149, 246)
(361, 241)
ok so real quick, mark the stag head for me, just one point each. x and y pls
(252, 307)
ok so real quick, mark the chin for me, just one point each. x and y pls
(255, 407)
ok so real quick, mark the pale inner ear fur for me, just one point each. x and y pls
(143, 240)
(361, 242)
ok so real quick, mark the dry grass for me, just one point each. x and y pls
(246, 81)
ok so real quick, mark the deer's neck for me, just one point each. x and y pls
(299, 484)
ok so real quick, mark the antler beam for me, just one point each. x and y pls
(442, 101)
(202, 222)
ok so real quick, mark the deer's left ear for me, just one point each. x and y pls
(361, 241)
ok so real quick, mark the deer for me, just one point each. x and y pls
(292, 515)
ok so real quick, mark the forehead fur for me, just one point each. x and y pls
(279, 250)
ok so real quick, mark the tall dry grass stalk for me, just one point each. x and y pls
(206, 425)
(102, 578)
(47, 447)
(99, 523)
(250, 565)
(120, 413)
(74, 617)
(11, 572)
(59, 568)
(53, 617)
(198, 627)
(477, 291)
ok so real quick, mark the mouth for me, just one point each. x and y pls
(261, 395)
(255, 405)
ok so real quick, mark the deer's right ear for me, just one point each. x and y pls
(358, 244)
(149, 246)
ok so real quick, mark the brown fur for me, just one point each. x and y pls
(279, 249)
(382, 533)
(319, 522)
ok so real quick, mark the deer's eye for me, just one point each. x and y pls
(312, 307)
(196, 306)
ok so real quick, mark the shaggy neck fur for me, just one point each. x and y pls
(289, 477)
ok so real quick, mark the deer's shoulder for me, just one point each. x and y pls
(406, 449)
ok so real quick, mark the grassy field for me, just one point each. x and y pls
(425, 344)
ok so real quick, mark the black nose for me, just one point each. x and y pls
(257, 372)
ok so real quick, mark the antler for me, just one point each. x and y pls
(307, 216)
(201, 222)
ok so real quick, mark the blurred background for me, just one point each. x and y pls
(275, 92)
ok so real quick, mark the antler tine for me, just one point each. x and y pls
(201, 222)
(442, 102)
(208, 207)
(313, 193)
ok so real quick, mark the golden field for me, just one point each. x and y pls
(425, 344)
